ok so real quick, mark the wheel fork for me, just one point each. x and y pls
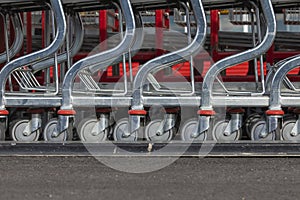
(34, 124)
(64, 120)
(166, 124)
(235, 124)
(135, 120)
(236, 121)
(273, 123)
(4, 118)
(296, 129)
(102, 124)
(204, 122)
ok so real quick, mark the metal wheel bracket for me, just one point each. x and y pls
(166, 124)
(62, 125)
(4, 121)
(235, 124)
(134, 124)
(101, 125)
(264, 132)
(202, 126)
(272, 123)
(34, 124)
(296, 129)
(111, 120)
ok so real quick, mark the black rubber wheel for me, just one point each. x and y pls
(85, 131)
(150, 132)
(251, 119)
(287, 129)
(50, 127)
(218, 133)
(16, 131)
(189, 128)
(256, 130)
(121, 127)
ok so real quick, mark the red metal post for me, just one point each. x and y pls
(43, 28)
(270, 55)
(22, 50)
(159, 25)
(214, 33)
(29, 33)
(167, 19)
(117, 21)
(103, 28)
(2, 43)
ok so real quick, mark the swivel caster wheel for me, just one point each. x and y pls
(121, 132)
(50, 129)
(251, 119)
(219, 134)
(257, 129)
(286, 131)
(85, 131)
(17, 131)
(189, 129)
(151, 132)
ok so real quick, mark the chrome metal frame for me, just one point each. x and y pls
(36, 56)
(210, 77)
(19, 38)
(167, 60)
(102, 59)
(75, 47)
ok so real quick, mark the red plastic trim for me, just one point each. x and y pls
(36, 111)
(172, 110)
(4, 112)
(235, 110)
(137, 112)
(206, 112)
(274, 112)
(104, 110)
(66, 112)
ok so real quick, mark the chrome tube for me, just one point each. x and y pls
(36, 56)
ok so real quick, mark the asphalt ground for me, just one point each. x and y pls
(187, 178)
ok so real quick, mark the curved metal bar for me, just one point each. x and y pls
(34, 57)
(79, 31)
(132, 51)
(279, 76)
(19, 38)
(213, 71)
(171, 58)
(106, 56)
(262, 75)
(138, 42)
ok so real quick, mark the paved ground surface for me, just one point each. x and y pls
(187, 178)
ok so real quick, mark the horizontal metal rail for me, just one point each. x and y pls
(144, 149)
(87, 101)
